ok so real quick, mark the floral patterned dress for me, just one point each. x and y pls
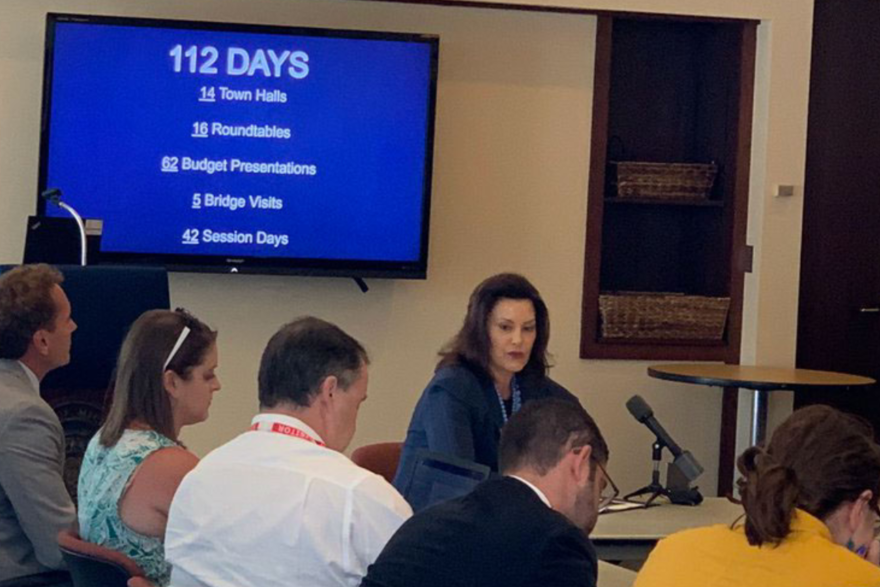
(103, 477)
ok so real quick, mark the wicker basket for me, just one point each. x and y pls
(638, 315)
(665, 181)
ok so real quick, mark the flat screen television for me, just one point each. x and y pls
(242, 148)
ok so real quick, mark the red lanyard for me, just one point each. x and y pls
(287, 430)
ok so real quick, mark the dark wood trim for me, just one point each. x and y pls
(565, 10)
(662, 342)
(596, 187)
(615, 201)
(730, 400)
(740, 215)
(727, 441)
(649, 352)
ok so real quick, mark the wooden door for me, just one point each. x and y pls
(839, 312)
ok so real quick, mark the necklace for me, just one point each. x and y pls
(516, 396)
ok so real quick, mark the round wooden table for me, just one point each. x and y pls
(762, 380)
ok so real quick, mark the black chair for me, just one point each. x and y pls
(51, 579)
(91, 565)
(434, 477)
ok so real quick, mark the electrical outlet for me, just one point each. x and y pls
(783, 191)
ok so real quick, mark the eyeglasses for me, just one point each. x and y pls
(875, 509)
(862, 551)
(609, 492)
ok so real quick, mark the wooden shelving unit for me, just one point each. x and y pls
(669, 90)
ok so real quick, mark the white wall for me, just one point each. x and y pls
(511, 163)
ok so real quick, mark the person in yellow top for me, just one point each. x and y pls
(811, 507)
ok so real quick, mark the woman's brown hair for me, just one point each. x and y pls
(818, 459)
(139, 391)
(471, 345)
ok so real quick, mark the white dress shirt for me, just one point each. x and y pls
(535, 489)
(269, 509)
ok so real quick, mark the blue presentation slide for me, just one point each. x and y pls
(205, 142)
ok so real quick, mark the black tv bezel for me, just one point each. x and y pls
(252, 264)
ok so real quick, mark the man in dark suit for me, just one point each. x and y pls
(35, 336)
(528, 528)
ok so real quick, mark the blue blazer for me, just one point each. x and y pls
(459, 414)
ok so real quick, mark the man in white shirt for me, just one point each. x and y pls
(280, 504)
(35, 336)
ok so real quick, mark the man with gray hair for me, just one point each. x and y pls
(526, 529)
(280, 504)
(35, 337)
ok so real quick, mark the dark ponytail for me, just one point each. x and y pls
(817, 459)
(769, 494)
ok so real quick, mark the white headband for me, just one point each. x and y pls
(180, 339)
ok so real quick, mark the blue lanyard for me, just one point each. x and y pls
(517, 400)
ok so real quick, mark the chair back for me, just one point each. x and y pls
(380, 458)
(91, 565)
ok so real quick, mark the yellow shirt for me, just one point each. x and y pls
(719, 556)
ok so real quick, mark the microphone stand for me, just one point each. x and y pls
(654, 487)
(54, 195)
(678, 491)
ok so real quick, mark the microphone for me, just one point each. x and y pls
(684, 460)
(642, 412)
(53, 196)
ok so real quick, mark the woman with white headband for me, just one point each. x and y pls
(165, 379)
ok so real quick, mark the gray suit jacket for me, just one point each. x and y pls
(34, 504)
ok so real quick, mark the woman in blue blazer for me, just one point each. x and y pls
(497, 362)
